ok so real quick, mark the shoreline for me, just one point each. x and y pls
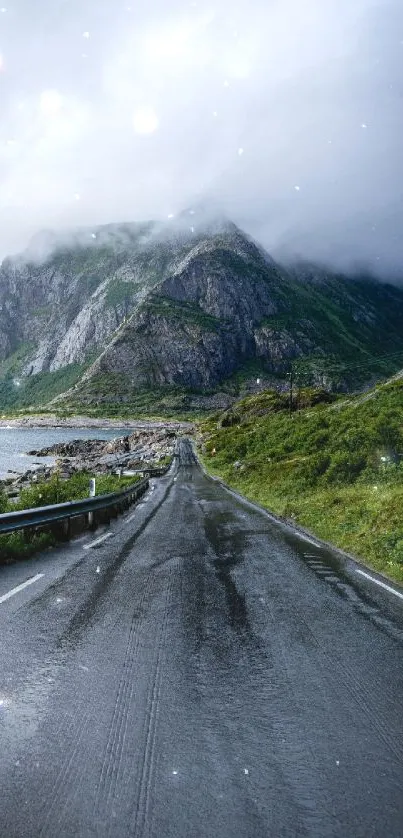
(133, 449)
(89, 423)
(27, 463)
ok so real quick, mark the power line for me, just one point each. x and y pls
(340, 365)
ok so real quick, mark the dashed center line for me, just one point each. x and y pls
(98, 541)
(21, 587)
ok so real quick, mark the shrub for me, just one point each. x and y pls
(229, 419)
(345, 467)
(317, 465)
(388, 430)
(76, 488)
(15, 546)
(3, 501)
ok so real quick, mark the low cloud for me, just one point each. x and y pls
(286, 114)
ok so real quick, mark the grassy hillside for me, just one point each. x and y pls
(22, 393)
(335, 465)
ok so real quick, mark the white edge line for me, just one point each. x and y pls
(21, 587)
(378, 582)
(296, 532)
(98, 541)
(306, 538)
(130, 519)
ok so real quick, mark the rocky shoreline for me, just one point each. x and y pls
(88, 422)
(145, 447)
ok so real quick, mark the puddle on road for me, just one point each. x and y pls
(228, 543)
(236, 603)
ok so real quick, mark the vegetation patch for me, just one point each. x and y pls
(336, 468)
(112, 395)
(19, 393)
(120, 293)
(22, 544)
(14, 363)
(182, 311)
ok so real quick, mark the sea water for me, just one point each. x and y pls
(15, 442)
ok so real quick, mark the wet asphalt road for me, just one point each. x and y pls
(202, 672)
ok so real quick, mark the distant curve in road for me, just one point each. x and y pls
(201, 673)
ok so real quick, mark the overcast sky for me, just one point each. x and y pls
(288, 113)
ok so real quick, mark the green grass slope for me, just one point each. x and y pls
(334, 465)
(19, 394)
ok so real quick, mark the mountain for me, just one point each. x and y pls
(65, 297)
(128, 309)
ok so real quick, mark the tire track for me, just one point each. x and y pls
(136, 774)
(60, 793)
(295, 753)
(84, 617)
(335, 669)
(363, 701)
(68, 780)
(146, 774)
(114, 749)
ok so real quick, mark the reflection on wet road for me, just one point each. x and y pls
(202, 673)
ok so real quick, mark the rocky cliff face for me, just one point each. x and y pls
(151, 307)
(226, 304)
(200, 323)
(65, 306)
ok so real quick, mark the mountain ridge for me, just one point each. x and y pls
(185, 305)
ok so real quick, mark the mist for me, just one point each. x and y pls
(286, 115)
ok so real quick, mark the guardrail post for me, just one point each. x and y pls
(27, 533)
(61, 529)
(91, 495)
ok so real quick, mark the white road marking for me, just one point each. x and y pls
(378, 582)
(130, 519)
(98, 541)
(306, 538)
(21, 587)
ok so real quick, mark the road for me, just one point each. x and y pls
(202, 672)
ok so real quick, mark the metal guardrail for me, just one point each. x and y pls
(156, 472)
(149, 472)
(40, 515)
